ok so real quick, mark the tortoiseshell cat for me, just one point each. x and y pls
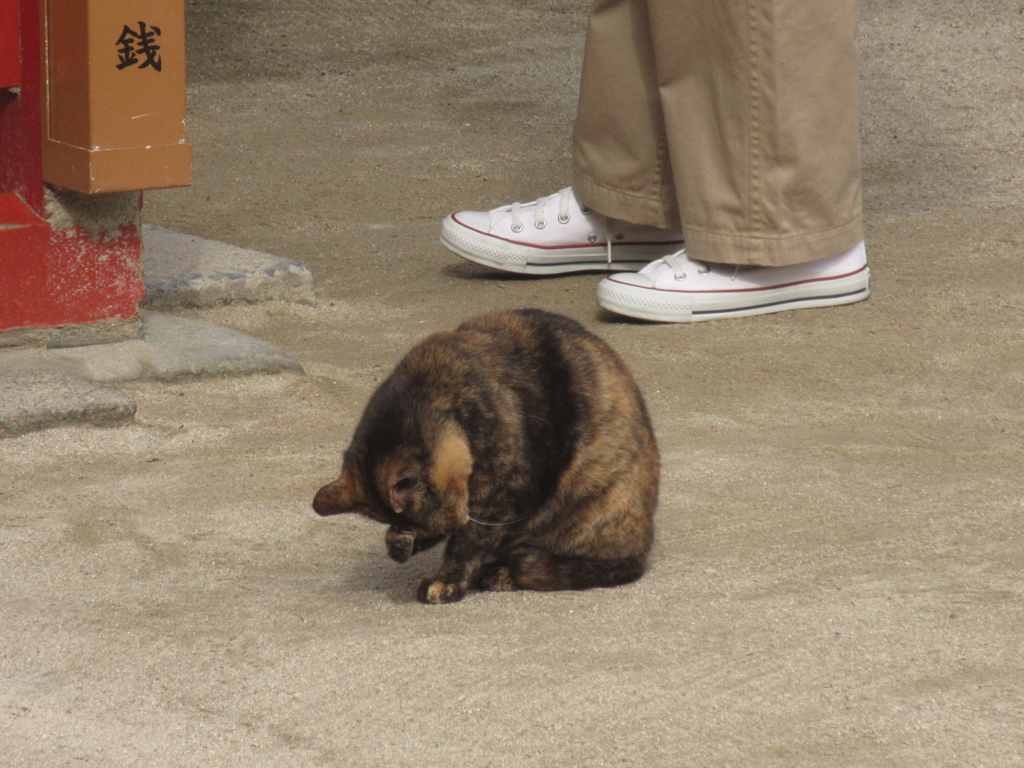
(522, 438)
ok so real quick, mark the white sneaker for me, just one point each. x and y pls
(554, 235)
(678, 289)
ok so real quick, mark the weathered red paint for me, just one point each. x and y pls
(10, 46)
(14, 212)
(51, 277)
(21, 131)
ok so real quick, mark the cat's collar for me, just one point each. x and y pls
(495, 525)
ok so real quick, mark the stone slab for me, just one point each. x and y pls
(37, 399)
(41, 388)
(186, 271)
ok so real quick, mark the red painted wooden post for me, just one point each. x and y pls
(53, 271)
(10, 44)
(21, 139)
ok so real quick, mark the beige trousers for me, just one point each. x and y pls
(736, 120)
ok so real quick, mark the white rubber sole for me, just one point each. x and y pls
(665, 306)
(509, 256)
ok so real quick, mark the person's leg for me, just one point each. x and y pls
(743, 114)
(557, 234)
(760, 107)
(739, 120)
(621, 162)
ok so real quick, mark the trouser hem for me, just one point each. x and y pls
(718, 247)
(772, 250)
(634, 207)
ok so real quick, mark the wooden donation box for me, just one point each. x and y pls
(114, 98)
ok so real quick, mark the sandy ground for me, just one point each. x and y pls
(838, 573)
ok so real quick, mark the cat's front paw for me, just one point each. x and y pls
(439, 592)
(401, 543)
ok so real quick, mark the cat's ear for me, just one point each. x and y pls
(338, 497)
(452, 464)
(401, 484)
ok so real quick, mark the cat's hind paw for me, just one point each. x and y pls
(497, 578)
(439, 592)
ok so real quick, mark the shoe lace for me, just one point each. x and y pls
(565, 198)
(678, 261)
